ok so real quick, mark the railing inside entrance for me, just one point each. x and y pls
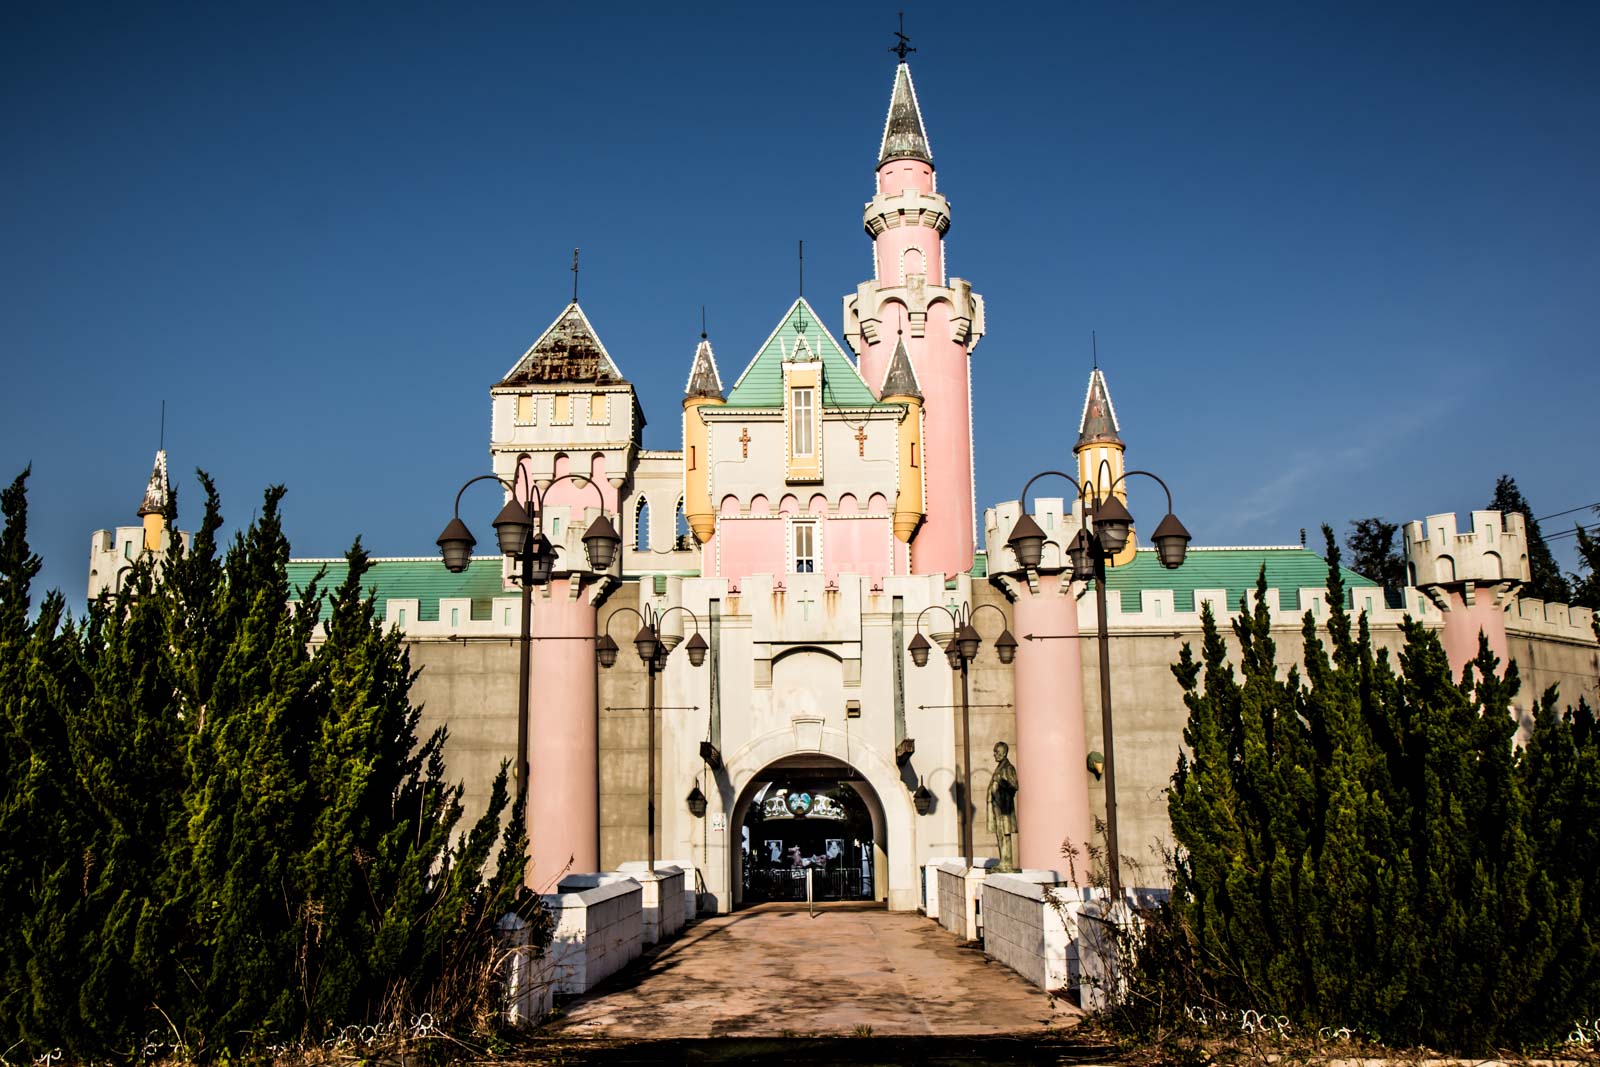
(789, 883)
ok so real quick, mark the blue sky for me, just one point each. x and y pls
(1342, 260)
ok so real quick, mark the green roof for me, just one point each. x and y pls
(761, 384)
(422, 580)
(1289, 570)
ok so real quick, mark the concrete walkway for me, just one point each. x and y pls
(776, 971)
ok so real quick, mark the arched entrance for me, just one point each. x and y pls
(808, 812)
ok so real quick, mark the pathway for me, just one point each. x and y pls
(777, 971)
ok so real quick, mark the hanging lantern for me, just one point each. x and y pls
(1172, 541)
(601, 543)
(511, 528)
(922, 799)
(919, 650)
(1112, 524)
(1006, 646)
(606, 650)
(455, 545)
(1027, 541)
(697, 802)
(697, 649)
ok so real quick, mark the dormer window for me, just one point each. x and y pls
(802, 413)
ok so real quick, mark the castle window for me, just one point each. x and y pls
(801, 415)
(127, 550)
(805, 547)
(641, 526)
(913, 454)
(681, 542)
(402, 620)
(563, 408)
(455, 616)
(597, 408)
(525, 409)
(691, 457)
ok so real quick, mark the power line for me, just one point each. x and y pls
(1572, 532)
(1569, 511)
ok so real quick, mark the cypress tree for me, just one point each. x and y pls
(1545, 580)
(1369, 849)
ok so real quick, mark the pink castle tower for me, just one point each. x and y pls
(1473, 577)
(940, 319)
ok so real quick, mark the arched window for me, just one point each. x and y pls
(641, 525)
(681, 541)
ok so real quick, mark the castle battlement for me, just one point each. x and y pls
(1493, 551)
(1560, 621)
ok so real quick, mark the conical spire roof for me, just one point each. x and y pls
(904, 136)
(901, 377)
(1099, 422)
(704, 381)
(159, 491)
(567, 351)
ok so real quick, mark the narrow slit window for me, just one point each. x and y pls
(803, 433)
(805, 547)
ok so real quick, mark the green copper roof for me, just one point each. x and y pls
(761, 384)
(422, 580)
(1234, 569)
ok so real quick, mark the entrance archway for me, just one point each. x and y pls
(808, 811)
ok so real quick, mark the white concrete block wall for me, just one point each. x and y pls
(1029, 925)
(599, 929)
(661, 898)
(961, 897)
(930, 884)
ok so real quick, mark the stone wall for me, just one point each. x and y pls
(599, 929)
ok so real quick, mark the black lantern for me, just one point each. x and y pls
(606, 650)
(1172, 541)
(697, 802)
(601, 543)
(1027, 541)
(646, 645)
(511, 528)
(455, 545)
(919, 650)
(922, 799)
(1112, 524)
(952, 653)
(1082, 556)
(968, 641)
(1006, 646)
(542, 559)
(697, 649)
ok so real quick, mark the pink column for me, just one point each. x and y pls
(1464, 622)
(1051, 751)
(563, 739)
(944, 543)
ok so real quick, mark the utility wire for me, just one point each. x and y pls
(1569, 511)
(1572, 533)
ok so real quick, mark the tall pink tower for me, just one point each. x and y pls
(939, 318)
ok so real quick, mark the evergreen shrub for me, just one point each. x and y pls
(219, 829)
(1364, 845)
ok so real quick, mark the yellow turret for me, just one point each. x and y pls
(153, 509)
(900, 387)
(704, 389)
(1100, 453)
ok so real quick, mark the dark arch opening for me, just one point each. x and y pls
(809, 812)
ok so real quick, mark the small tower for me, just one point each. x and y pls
(153, 509)
(112, 553)
(900, 387)
(1100, 451)
(1471, 576)
(703, 389)
(911, 302)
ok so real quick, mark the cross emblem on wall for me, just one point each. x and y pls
(744, 442)
(861, 440)
(805, 601)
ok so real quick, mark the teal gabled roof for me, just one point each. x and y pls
(422, 580)
(1289, 570)
(800, 331)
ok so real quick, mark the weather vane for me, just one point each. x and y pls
(903, 45)
(574, 275)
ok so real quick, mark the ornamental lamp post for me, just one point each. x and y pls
(653, 650)
(1107, 526)
(518, 530)
(959, 653)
